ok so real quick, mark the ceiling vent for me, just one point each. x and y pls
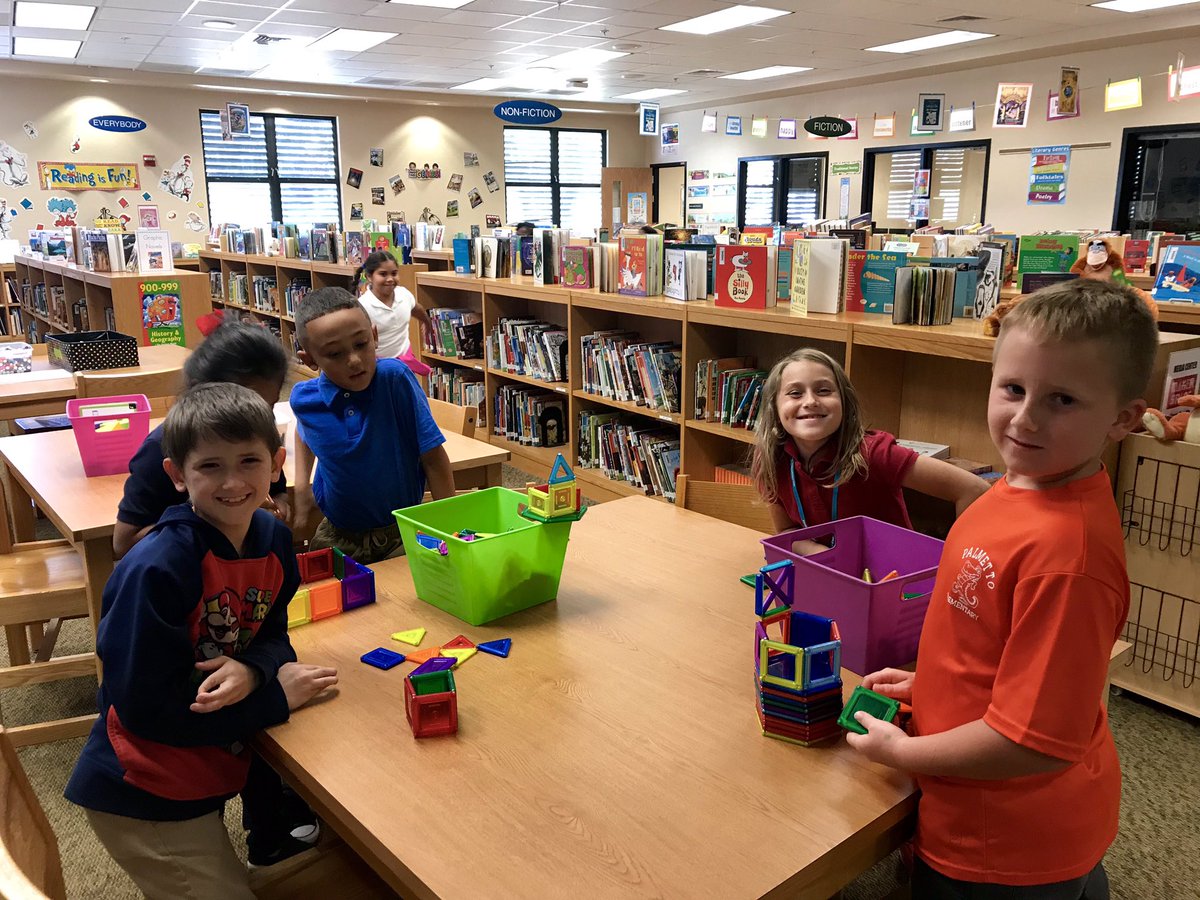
(705, 73)
(382, 82)
(963, 19)
(265, 40)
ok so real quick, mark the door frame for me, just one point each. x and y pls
(654, 167)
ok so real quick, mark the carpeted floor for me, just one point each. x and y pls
(1156, 856)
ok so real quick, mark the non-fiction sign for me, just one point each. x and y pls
(1048, 174)
(117, 124)
(65, 176)
(527, 112)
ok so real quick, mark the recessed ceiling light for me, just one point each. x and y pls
(650, 94)
(219, 24)
(98, 80)
(352, 40)
(27, 46)
(1135, 6)
(53, 15)
(480, 84)
(725, 19)
(944, 39)
(578, 59)
(436, 4)
(767, 72)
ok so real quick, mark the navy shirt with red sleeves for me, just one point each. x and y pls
(877, 494)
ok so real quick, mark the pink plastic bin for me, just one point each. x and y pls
(104, 451)
(879, 627)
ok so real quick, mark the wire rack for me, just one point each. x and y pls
(1164, 629)
(1162, 505)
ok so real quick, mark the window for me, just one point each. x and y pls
(957, 184)
(285, 171)
(552, 177)
(1158, 187)
(788, 190)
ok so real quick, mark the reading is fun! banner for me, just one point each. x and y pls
(64, 176)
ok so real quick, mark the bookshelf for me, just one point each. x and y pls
(99, 292)
(11, 317)
(923, 383)
(290, 276)
(437, 260)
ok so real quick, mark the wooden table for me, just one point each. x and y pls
(35, 394)
(46, 469)
(615, 753)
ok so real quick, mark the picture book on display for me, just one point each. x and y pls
(871, 280)
(747, 276)
(641, 265)
(576, 267)
(1041, 253)
(686, 274)
(818, 281)
(1178, 278)
(1183, 378)
(924, 295)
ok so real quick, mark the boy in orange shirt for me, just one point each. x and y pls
(1020, 783)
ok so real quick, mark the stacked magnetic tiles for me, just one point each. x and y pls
(797, 663)
(331, 582)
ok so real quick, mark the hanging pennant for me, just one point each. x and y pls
(963, 118)
(648, 119)
(1068, 92)
(1053, 111)
(708, 122)
(852, 134)
(733, 126)
(884, 127)
(758, 126)
(787, 130)
(1125, 94)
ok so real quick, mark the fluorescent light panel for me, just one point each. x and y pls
(27, 46)
(768, 72)
(577, 59)
(436, 4)
(930, 41)
(53, 15)
(1136, 6)
(650, 94)
(352, 40)
(726, 19)
(480, 84)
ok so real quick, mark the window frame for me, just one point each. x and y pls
(927, 151)
(555, 183)
(273, 179)
(779, 200)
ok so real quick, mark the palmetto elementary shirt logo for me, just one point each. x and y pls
(976, 571)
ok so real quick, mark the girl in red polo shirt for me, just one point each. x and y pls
(815, 461)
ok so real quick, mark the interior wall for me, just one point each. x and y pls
(1091, 187)
(414, 132)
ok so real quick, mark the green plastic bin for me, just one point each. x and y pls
(484, 579)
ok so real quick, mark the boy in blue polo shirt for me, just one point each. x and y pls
(368, 423)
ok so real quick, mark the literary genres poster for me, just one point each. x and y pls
(162, 312)
(1048, 174)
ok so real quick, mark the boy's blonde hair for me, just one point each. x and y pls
(1085, 309)
(770, 437)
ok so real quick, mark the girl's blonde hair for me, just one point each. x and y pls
(770, 437)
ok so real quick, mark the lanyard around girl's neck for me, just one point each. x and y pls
(800, 505)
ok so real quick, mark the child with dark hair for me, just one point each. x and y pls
(248, 355)
(390, 306)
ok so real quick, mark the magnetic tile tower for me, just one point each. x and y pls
(330, 583)
(797, 663)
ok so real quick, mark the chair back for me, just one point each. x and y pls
(30, 867)
(452, 417)
(736, 503)
(160, 388)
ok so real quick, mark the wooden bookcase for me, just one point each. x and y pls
(102, 291)
(437, 260)
(928, 384)
(14, 325)
(284, 270)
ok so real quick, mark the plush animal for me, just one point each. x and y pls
(1100, 261)
(1180, 427)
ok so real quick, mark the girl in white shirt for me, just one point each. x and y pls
(390, 307)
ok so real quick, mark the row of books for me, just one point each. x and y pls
(455, 332)
(924, 295)
(463, 387)
(618, 366)
(325, 242)
(529, 416)
(729, 391)
(146, 250)
(529, 347)
(626, 449)
(259, 291)
(297, 287)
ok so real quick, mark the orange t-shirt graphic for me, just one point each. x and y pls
(1031, 593)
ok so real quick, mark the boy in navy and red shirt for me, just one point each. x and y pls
(193, 639)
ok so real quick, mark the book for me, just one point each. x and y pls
(1136, 255)
(924, 296)
(1178, 279)
(871, 277)
(923, 448)
(965, 283)
(747, 277)
(1039, 253)
(991, 256)
(818, 275)
(1035, 281)
(464, 263)
(576, 267)
(641, 265)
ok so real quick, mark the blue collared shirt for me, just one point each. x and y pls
(368, 444)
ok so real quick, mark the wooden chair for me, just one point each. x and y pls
(452, 417)
(736, 503)
(30, 867)
(40, 581)
(160, 387)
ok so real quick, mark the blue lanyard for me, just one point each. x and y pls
(800, 505)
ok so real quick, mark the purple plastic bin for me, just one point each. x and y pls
(879, 627)
(358, 585)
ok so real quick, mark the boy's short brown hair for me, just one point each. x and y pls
(218, 410)
(1086, 309)
(322, 302)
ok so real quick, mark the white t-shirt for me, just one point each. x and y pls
(392, 321)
